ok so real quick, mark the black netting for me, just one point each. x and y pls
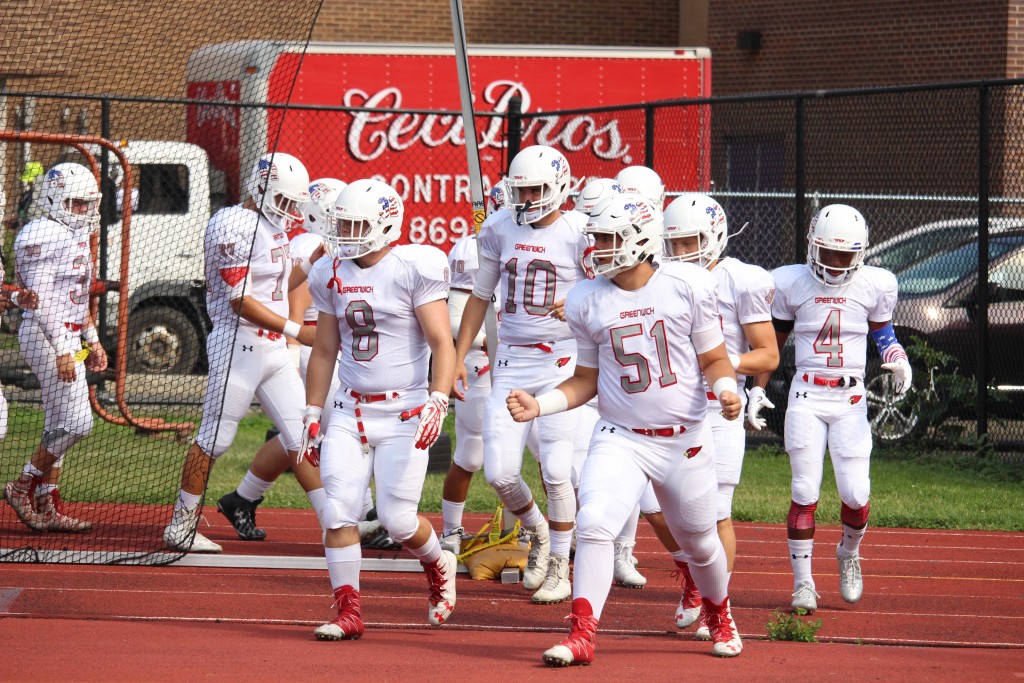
(125, 429)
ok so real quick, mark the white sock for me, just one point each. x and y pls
(712, 578)
(800, 552)
(533, 517)
(189, 501)
(451, 513)
(44, 490)
(429, 552)
(252, 487)
(592, 573)
(849, 545)
(560, 542)
(628, 533)
(32, 469)
(343, 565)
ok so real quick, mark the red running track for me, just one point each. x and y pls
(939, 605)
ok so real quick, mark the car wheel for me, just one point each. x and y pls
(892, 419)
(162, 340)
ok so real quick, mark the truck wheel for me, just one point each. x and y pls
(162, 340)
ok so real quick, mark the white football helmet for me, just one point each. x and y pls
(497, 198)
(278, 184)
(841, 228)
(367, 216)
(696, 215)
(71, 196)
(537, 166)
(643, 181)
(636, 227)
(317, 211)
(594, 191)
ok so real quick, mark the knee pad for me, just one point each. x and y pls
(701, 548)
(469, 452)
(855, 519)
(801, 516)
(401, 526)
(58, 441)
(514, 493)
(561, 502)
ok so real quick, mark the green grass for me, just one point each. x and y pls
(942, 491)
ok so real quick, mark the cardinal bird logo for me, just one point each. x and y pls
(854, 400)
(562, 361)
(690, 452)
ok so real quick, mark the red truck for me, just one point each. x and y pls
(418, 152)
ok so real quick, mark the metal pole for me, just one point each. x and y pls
(982, 295)
(101, 324)
(800, 230)
(515, 128)
(649, 136)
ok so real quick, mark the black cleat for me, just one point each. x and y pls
(242, 515)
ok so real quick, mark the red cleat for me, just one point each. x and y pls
(724, 635)
(348, 625)
(688, 610)
(579, 647)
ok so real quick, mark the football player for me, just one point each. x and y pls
(696, 230)
(645, 337)
(384, 307)
(58, 337)
(247, 273)
(831, 305)
(534, 249)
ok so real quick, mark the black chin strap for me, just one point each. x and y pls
(520, 212)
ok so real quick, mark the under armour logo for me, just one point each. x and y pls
(246, 348)
(338, 404)
(801, 394)
(606, 428)
(502, 363)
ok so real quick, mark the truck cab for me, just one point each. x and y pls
(172, 204)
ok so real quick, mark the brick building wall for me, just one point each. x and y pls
(848, 44)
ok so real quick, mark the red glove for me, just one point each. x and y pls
(311, 436)
(432, 416)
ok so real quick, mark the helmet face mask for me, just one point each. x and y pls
(700, 216)
(836, 230)
(537, 183)
(625, 231)
(71, 196)
(367, 216)
(279, 186)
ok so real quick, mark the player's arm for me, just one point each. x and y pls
(261, 316)
(322, 359)
(472, 318)
(718, 372)
(572, 393)
(300, 273)
(894, 356)
(437, 331)
(763, 356)
(96, 361)
(299, 299)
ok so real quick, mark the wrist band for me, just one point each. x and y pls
(724, 384)
(553, 401)
(13, 298)
(291, 329)
(734, 358)
(306, 265)
(439, 396)
(90, 335)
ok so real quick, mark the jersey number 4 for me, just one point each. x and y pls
(639, 361)
(827, 342)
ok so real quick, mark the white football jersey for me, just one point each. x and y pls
(537, 267)
(382, 346)
(55, 263)
(649, 376)
(745, 296)
(464, 262)
(301, 247)
(230, 272)
(831, 330)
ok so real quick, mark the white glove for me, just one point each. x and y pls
(902, 376)
(756, 400)
(311, 436)
(431, 418)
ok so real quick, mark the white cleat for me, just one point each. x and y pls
(556, 587)
(851, 584)
(537, 561)
(441, 583)
(178, 535)
(805, 597)
(625, 573)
